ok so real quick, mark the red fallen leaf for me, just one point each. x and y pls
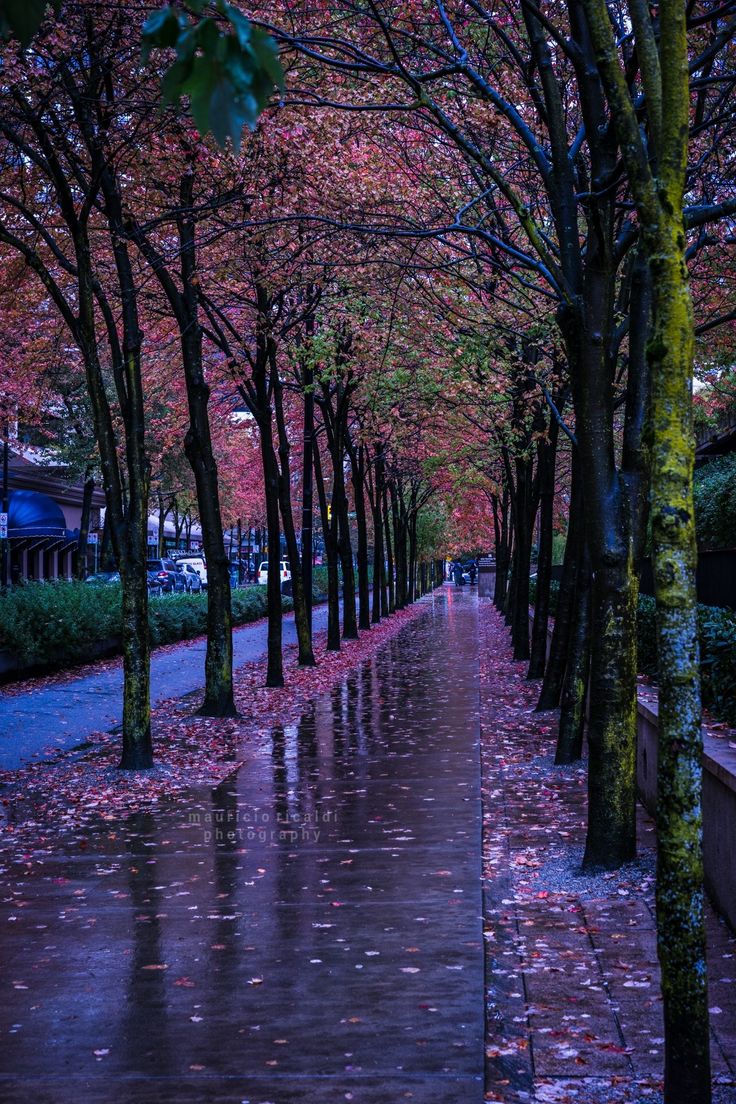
(336, 904)
(184, 983)
(156, 966)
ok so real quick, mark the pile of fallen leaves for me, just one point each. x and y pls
(82, 788)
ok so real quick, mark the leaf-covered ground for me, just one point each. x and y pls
(574, 1007)
(77, 788)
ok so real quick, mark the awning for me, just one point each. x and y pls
(32, 514)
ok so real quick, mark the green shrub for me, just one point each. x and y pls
(42, 623)
(717, 637)
(57, 624)
(714, 489)
(646, 641)
(554, 593)
(717, 633)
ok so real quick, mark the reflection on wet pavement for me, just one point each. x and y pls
(310, 929)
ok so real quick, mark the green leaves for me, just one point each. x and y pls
(20, 19)
(226, 66)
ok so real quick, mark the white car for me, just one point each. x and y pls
(198, 563)
(284, 572)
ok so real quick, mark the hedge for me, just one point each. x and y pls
(717, 638)
(56, 624)
(714, 489)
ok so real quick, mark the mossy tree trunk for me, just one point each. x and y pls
(656, 175)
(680, 904)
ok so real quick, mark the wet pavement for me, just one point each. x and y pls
(309, 930)
(75, 708)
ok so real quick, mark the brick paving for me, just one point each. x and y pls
(572, 991)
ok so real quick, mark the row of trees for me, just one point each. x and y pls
(447, 279)
(590, 139)
(127, 235)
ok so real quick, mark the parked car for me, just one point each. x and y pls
(284, 572)
(192, 578)
(104, 578)
(165, 571)
(196, 560)
(155, 588)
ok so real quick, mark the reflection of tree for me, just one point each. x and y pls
(145, 1020)
(338, 730)
(280, 778)
(224, 978)
(352, 701)
(307, 761)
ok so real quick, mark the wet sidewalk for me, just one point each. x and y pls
(309, 930)
(573, 989)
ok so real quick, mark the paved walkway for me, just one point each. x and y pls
(310, 930)
(573, 992)
(63, 715)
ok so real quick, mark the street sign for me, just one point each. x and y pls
(3, 526)
(91, 538)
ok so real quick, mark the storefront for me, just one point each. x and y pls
(40, 545)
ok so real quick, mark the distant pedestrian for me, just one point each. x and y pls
(457, 574)
(472, 571)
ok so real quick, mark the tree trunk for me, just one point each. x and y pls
(302, 618)
(218, 694)
(349, 614)
(161, 523)
(308, 490)
(389, 556)
(358, 469)
(137, 746)
(379, 570)
(549, 697)
(329, 530)
(575, 683)
(501, 534)
(82, 541)
(611, 837)
(275, 664)
(412, 527)
(680, 903)
(546, 453)
(399, 531)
